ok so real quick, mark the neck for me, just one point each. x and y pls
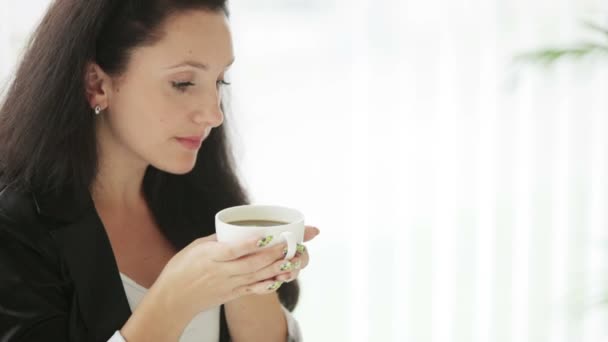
(118, 184)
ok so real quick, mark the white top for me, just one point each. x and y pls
(204, 327)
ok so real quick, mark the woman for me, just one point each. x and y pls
(113, 163)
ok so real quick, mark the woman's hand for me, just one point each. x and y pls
(204, 274)
(209, 273)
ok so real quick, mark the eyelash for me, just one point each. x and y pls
(181, 86)
(222, 83)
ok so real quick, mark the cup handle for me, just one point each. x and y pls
(292, 244)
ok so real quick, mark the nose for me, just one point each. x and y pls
(210, 112)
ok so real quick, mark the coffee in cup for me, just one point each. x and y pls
(257, 223)
(276, 223)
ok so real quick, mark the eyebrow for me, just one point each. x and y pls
(196, 64)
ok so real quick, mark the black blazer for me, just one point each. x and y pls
(59, 280)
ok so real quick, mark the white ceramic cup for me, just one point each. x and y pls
(291, 232)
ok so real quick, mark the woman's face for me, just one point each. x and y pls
(168, 100)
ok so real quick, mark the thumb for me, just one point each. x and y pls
(310, 233)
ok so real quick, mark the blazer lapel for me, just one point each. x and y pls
(87, 251)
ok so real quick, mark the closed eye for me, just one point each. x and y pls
(182, 86)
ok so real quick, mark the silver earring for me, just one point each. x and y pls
(97, 110)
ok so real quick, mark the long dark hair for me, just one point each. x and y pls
(47, 131)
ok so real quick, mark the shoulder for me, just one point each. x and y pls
(20, 223)
(34, 286)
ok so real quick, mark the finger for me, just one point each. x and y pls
(262, 287)
(310, 232)
(304, 260)
(271, 271)
(288, 277)
(301, 263)
(234, 250)
(301, 249)
(255, 262)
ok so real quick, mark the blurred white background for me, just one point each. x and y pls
(461, 198)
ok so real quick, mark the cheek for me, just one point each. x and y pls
(165, 119)
(147, 125)
(146, 111)
(141, 124)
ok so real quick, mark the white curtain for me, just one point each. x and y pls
(461, 197)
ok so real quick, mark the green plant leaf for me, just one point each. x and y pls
(552, 55)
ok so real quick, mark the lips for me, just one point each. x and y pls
(191, 143)
(192, 139)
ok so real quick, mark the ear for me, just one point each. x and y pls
(97, 84)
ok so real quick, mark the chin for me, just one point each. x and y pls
(177, 167)
(181, 171)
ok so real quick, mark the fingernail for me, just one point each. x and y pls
(297, 264)
(287, 266)
(301, 249)
(265, 241)
(275, 286)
